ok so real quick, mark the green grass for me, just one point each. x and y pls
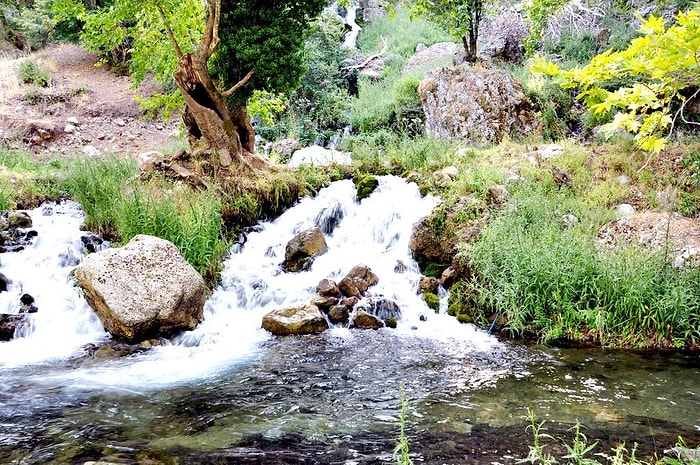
(189, 219)
(98, 185)
(555, 283)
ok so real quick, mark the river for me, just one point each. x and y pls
(228, 392)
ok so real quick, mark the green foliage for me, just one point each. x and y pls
(320, 106)
(581, 452)
(190, 220)
(29, 25)
(98, 185)
(460, 18)
(551, 281)
(32, 73)
(660, 64)
(402, 453)
(267, 38)
(538, 13)
(403, 34)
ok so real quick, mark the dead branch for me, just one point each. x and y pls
(239, 84)
(169, 30)
(373, 57)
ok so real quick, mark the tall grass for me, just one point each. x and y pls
(553, 282)
(190, 220)
(98, 185)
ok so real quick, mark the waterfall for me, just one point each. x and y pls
(350, 39)
(374, 232)
(64, 321)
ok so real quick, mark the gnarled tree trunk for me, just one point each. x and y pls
(213, 127)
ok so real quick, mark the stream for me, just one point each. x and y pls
(230, 393)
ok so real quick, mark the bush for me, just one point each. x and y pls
(31, 73)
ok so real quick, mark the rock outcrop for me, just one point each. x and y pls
(475, 104)
(10, 324)
(301, 251)
(15, 231)
(656, 231)
(306, 319)
(143, 290)
(436, 238)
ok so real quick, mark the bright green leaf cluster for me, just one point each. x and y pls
(660, 64)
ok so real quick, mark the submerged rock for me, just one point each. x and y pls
(143, 290)
(365, 320)
(306, 319)
(9, 324)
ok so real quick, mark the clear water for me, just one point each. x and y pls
(228, 392)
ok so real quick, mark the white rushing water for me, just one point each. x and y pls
(64, 321)
(374, 232)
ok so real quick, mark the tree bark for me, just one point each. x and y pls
(211, 126)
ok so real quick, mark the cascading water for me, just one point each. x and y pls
(64, 322)
(228, 392)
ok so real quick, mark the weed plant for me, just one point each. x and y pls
(581, 451)
(402, 454)
(189, 219)
(98, 185)
(552, 281)
(32, 73)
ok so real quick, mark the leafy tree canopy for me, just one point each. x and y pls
(254, 35)
(659, 65)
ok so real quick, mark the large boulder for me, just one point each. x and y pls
(474, 104)
(306, 319)
(143, 290)
(303, 248)
(441, 51)
(436, 238)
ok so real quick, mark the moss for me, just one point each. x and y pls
(390, 323)
(424, 189)
(365, 186)
(463, 318)
(432, 300)
(433, 269)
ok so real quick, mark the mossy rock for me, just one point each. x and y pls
(432, 301)
(391, 323)
(365, 186)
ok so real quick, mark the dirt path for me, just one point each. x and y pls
(86, 110)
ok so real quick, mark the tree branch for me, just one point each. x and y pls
(373, 57)
(239, 84)
(211, 34)
(169, 30)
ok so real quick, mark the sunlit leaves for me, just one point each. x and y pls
(658, 66)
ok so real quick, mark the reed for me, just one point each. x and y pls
(98, 185)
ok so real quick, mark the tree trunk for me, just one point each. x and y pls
(207, 119)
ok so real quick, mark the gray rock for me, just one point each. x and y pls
(306, 319)
(303, 248)
(143, 290)
(475, 105)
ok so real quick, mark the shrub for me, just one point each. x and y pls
(31, 73)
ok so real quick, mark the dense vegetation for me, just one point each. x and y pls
(532, 276)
